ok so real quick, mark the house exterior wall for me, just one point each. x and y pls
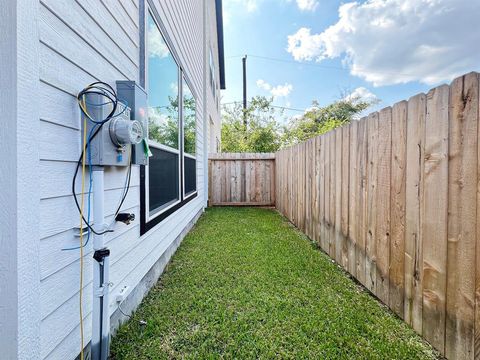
(19, 198)
(213, 99)
(76, 43)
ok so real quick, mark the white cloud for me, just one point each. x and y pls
(156, 116)
(276, 91)
(307, 5)
(361, 94)
(262, 84)
(397, 41)
(305, 46)
(156, 44)
(174, 87)
(311, 108)
(249, 5)
(282, 90)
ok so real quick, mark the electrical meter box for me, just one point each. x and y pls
(136, 98)
(110, 145)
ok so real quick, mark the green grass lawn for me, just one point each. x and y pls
(246, 284)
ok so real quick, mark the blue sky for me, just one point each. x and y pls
(392, 49)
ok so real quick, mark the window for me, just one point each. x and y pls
(189, 120)
(212, 73)
(189, 140)
(169, 180)
(163, 123)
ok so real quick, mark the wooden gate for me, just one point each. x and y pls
(242, 179)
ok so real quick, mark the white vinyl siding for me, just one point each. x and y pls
(82, 42)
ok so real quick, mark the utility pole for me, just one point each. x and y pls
(244, 62)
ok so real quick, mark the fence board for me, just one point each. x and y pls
(331, 228)
(323, 180)
(314, 200)
(462, 209)
(291, 185)
(345, 149)
(301, 189)
(353, 207)
(361, 208)
(313, 189)
(339, 244)
(328, 199)
(382, 234)
(370, 245)
(397, 212)
(435, 217)
(414, 194)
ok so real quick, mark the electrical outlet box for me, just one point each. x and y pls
(103, 150)
(136, 98)
(122, 294)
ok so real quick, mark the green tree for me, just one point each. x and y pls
(265, 133)
(163, 123)
(262, 133)
(319, 120)
(189, 127)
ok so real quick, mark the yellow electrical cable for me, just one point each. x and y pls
(84, 149)
(82, 106)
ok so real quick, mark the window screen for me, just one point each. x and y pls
(163, 179)
(190, 175)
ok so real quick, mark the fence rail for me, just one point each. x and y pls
(242, 179)
(394, 198)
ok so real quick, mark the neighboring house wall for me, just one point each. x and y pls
(80, 42)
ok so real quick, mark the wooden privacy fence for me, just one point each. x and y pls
(242, 179)
(393, 198)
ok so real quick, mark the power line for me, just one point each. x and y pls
(298, 63)
(288, 108)
(314, 65)
(274, 106)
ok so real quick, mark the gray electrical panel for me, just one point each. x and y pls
(136, 99)
(103, 151)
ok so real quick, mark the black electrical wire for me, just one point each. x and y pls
(79, 163)
(103, 89)
(119, 308)
(128, 187)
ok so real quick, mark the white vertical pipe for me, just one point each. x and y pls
(100, 313)
(98, 205)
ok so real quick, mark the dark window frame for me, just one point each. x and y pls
(148, 8)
